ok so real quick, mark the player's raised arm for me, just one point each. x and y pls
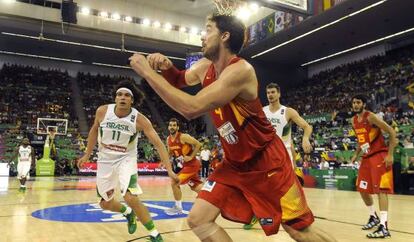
(232, 81)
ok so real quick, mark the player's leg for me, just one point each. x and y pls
(130, 190)
(106, 181)
(308, 234)
(143, 215)
(202, 222)
(365, 188)
(383, 181)
(178, 207)
(213, 199)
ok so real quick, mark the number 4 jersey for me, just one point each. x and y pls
(117, 136)
(369, 137)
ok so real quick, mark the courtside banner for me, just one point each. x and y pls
(143, 169)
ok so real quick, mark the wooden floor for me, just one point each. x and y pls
(340, 213)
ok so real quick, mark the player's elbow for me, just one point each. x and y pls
(191, 111)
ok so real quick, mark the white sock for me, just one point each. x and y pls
(383, 217)
(179, 204)
(372, 211)
(154, 233)
(127, 211)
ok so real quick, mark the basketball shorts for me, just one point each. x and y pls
(23, 170)
(109, 175)
(274, 195)
(373, 176)
(189, 175)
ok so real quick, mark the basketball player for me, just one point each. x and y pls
(25, 161)
(183, 148)
(116, 128)
(281, 118)
(375, 172)
(256, 176)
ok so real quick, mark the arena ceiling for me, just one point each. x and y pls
(390, 17)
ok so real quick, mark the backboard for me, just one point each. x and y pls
(51, 125)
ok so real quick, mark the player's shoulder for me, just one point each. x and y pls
(102, 108)
(266, 108)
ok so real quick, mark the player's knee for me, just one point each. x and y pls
(129, 197)
(203, 230)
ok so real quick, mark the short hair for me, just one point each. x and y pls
(234, 26)
(174, 120)
(138, 95)
(361, 97)
(273, 85)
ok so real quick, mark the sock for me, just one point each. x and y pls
(151, 228)
(125, 210)
(179, 203)
(372, 211)
(383, 218)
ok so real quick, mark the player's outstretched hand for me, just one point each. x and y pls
(82, 160)
(159, 61)
(140, 65)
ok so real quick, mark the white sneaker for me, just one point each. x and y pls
(174, 211)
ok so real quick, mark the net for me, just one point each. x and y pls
(227, 7)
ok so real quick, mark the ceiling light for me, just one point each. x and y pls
(116, 16)
(358, 46)
(128, 19)
(103, 14)
(85, 10)
(146, 22)
(157, 24)
(320, 28)
(243, 13)
(168, 26)
(183, 29)
(194, 30)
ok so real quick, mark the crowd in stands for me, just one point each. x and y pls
(330, 91)
(30, 92)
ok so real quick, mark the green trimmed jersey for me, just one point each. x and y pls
(117, 137)
(281, 125)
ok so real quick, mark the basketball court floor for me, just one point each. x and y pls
(65, 209)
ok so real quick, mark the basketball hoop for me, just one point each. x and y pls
(227, 7)
(52, 134)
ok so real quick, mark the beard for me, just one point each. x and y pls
(357, 111)
(212, 53)
(172, 132)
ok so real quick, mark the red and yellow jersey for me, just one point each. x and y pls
(243, 127)
(178, 149)
(369, 137)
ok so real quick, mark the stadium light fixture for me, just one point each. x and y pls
(359, 46)
(320, 28)
(103, 14)
(85, 11)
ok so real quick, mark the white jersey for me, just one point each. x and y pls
(281, 125)
(117, 137)
(25, 154)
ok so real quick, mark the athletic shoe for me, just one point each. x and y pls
(372, 222)
(156, 239)
(132, 222)
(381, 232)
(251, 224)
(174, 211)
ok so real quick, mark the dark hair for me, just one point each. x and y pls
(136, 92)
(361, 97)
(174, 120)
(273, 85)
(234, 26)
